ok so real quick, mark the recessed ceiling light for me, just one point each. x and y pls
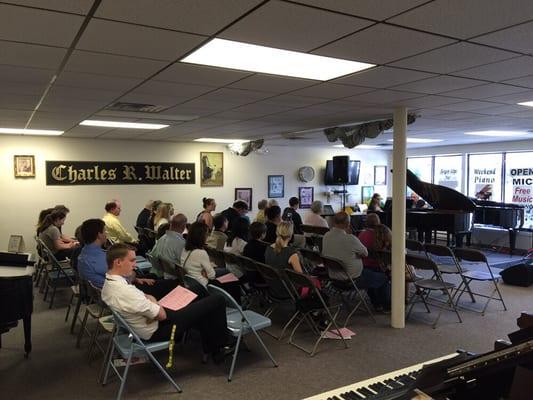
(215, 140)
(117, 124)
(497, 133)
(42, 132)
(526, 103)
(361, 146)
(420, 140)
(251, 57)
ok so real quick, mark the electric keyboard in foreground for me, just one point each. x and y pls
(380, 387)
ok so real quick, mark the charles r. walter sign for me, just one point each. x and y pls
(118, 173)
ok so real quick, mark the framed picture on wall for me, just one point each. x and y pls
(211, 169)
(306, 196)
(380, 175)
(24, 166)
(244, 194)
(366, 194)
(276, 186)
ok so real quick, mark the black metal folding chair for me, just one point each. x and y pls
(216, 256)
(476, 256)
(414, 246)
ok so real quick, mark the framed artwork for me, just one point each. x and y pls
(276, 186)
(366, 194)
(380, 175)
(24, 166)
(211, 169)
(306, 196)
(244, 194)
(16, 244)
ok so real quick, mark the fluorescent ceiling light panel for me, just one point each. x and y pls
(526, 103)
(497, 133)
(117, 124)
(215, 140)
(251, 57)
(41, 132)
(420, 140)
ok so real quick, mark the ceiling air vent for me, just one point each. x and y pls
(135, 107)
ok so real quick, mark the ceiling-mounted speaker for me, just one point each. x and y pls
(341, 169)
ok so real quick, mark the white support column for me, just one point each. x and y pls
(398, 218)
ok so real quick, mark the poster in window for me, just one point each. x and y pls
(211, 169)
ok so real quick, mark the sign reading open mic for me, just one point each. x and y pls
(118, 173)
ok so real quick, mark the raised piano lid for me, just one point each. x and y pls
(439, 197)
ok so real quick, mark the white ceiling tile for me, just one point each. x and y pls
(286, 26)
(108, 64)
(514, 98)
(526, 81)
(438, 84)
(294, 101)
(237, 96)
(382, 44)
(95, 81)
(522, 114)
(366, 8)
(501, 109)
(200, 75)
(68, 92)
(429, 101)
(382, 77)
(55, 124)
(22, 115)
(18, 101)
(331, 91)
(136, 41)
(179, 90)
(61, 103)
(35, 89)
(29, 55)
(484, 92)
(203, 17)
(454, 58)
(15, 21)
(517, 38)
(71, 6)
(453, 116)
(17, 74)
(271, 83)
(468, 106)
(501, 71)
(464, 19)
(383, 97)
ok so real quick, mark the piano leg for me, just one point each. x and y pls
(27, 335)
(512, 240)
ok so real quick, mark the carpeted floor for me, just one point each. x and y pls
(57, 370)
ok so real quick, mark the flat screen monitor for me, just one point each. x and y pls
(327, 210)
(354, 168)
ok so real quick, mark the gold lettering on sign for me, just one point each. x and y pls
(57, 172)
(152, 172)
(112, 174)
(129, 172)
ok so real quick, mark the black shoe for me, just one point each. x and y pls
(220, 355)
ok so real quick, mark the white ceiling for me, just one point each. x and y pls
(459, 65)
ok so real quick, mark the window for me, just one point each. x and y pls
(421, 167)
(449, 171)
(519, 182)
(485, 176)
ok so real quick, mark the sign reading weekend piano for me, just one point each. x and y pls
(60, 173)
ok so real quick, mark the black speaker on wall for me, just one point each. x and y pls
(341, 169)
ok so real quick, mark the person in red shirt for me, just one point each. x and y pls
(375, 237)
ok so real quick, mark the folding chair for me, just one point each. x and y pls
(57, 276)
(414, 246)
(257, 285)
(476, 256)
(309, 303)
(95, 308)
(336, 267)
(216, 257)
(241, 322)
(447, 263)
(101, 319)
(314, 235)
(128, 345)
(312, 262)
(425, 286)
(169, 268)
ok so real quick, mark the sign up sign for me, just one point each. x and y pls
(118, 173)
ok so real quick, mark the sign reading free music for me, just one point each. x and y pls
(118, 173)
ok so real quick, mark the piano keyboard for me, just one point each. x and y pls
(379, 387)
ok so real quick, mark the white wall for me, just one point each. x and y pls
(22, 199)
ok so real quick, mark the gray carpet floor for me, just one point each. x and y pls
(57, 370)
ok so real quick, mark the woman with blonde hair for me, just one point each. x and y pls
(162, 215)
(280, 254)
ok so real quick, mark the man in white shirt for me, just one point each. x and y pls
(153, 322)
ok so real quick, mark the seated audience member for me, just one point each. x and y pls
(236, 245)
(42, 216)
(314, 218)
(375, 203)
(196, 263)
(368, 237)
(205, 216)
(92, 264)
(272, 202)
(348, 249)
(153, 322)
(143, 218)
(64, 209)
(290, 214)
(418, 202)
(50, 234)
(162, 230)
(238, 210)
(273, 215)
(261, 206)
(169, 246)
(162, 215)
(155, 206)
(255, 248)
(280, 254)
(217, 239)
(114, 229)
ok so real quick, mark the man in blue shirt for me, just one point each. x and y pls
(169, 246)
